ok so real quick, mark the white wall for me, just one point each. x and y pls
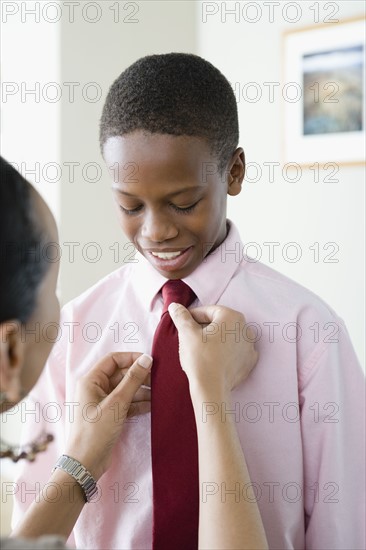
(30, 111)
(280, 211)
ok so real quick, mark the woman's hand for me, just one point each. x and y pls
(217, 353)
(215, 349)
(106, 395)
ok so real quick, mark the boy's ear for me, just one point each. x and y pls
(236, 172)
(12, 351)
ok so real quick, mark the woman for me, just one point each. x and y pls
(28, 295)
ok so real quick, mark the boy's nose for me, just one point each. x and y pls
(158, 229)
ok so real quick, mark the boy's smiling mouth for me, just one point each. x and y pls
(168, 260)
(166, 255)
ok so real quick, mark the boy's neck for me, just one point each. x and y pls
(224, 239)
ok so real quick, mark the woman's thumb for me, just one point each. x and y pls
(135, 376)
(181, 317)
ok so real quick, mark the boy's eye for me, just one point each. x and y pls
(132, 211)
(185, 210)
(181, 210)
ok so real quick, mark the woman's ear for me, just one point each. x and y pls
(236, 172)
(11, 360)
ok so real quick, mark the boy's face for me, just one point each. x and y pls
(171, 197)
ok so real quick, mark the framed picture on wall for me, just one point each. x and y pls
(324, 94)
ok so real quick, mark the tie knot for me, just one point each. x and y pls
(177, 291)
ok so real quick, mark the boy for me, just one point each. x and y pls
(170, 127)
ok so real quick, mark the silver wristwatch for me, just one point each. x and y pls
(78, 472)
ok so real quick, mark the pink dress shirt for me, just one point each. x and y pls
(300, 414)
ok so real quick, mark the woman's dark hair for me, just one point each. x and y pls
(22, 264)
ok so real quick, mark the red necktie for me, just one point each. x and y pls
(173, 436)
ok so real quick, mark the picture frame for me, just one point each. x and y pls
(324, 94)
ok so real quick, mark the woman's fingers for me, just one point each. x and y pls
(181, 317)
(113, 361)
(118, 377)
(142, 394)
(133, 379)
(109, 371)
(138, 408)
(213, 314)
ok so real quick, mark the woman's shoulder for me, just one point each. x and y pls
(42, 543)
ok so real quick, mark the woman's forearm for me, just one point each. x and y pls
(227, 519)
(58, 506)
(55, 510)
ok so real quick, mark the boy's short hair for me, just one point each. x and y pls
(177, 94)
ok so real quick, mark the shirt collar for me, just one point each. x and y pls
(208, 281)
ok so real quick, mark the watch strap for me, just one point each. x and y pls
(74, 468)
